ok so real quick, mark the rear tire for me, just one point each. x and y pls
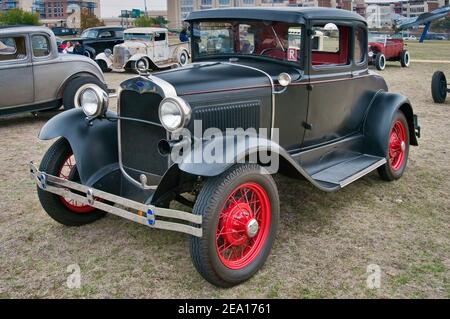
(230, 219)
(380, 62)
(405, 58)
(63, 211)
(398, 149)
(439, 87)
(74, 85)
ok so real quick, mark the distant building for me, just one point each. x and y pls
(25, 5)
(178, 10)
(61, 9)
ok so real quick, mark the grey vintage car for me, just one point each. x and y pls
(34, 76)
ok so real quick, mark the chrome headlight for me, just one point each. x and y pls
(174, 113)
(92, 99)
(370, 54)
(108, 52)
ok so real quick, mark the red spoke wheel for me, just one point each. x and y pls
(69, 171)
(59, 161)
(243, 226)
(240, 210)
(397, 149)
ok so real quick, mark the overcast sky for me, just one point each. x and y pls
(111, 8)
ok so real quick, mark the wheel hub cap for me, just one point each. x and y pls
(252, 228)
(397, 145)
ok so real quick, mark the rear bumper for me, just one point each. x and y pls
(148, 215)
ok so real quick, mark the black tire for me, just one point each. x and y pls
(387, 172)
(102, 64)
(51, 164)
(439, 87)
(405, 59)
(90, 53)
(74, 85)
(209, 204)
(380, 62)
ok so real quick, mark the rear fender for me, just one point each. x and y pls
(377, 124)
(94, 145)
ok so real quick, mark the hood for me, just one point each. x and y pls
(214, 77)
(134, 47)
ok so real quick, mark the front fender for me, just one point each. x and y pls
(377, 124)
(94, 145)
(104, 57)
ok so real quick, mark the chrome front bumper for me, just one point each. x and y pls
(148, 215)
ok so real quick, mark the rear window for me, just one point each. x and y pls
(12, 48)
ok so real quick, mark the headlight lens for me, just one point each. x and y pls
(174, 113)
(90, 102)
(370, 54)
(92, 99)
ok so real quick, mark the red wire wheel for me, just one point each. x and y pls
(68, 171)
(243, 226)
(397, 145)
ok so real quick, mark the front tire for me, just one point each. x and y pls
(405, 59)
(398, 149)
(59, 161)
(439, 87)
(74, 85)
(103, 66)
(240, 210)
(380, 62)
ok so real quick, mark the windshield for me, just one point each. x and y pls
(89, 34)
(376, 37)
(276, 40)
(138, 36)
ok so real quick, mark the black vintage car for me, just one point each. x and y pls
(97, 40)
(284, 90)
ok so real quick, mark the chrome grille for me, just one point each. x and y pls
(121, 56)
(139, 140)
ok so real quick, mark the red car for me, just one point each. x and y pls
(382, 49)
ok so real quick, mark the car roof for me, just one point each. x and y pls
(145, 30)
(106, 27)
(24, 29)
(283, 14)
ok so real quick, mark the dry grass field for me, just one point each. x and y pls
(324, 245)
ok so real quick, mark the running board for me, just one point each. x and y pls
(349, 171)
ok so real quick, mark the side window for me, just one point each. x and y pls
(40, 45)
(105, 34)
(359, 53)
(119, 34)
(12, 48)
(160, 37)
(329, 45)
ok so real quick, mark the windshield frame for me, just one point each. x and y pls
(300, 58)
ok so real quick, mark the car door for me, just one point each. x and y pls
(331, 87)
(104, 41)
(161, 47)
(47, 79)
(16, 72)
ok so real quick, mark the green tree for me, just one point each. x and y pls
(89, 20)
(144, 21)
(19, 17)
(441, 25)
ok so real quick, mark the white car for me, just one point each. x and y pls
(145, 48)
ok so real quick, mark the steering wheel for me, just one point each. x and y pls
(271, 49)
